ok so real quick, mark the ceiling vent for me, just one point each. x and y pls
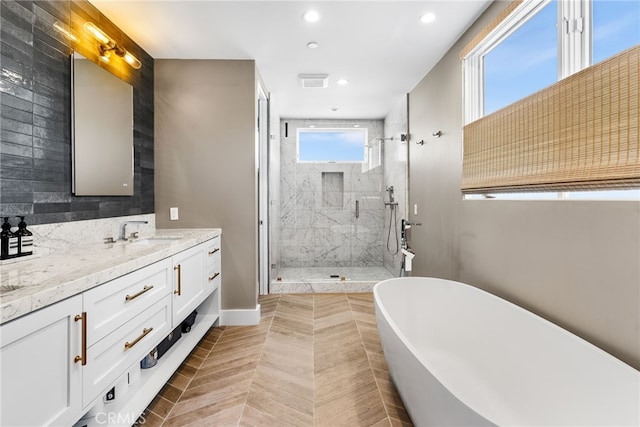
(313, 80)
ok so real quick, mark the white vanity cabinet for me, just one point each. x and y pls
(214, 264)
(110, 357)
(189, 282)
(59, 362)
(40, 366)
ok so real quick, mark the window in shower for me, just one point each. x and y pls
(331, 145)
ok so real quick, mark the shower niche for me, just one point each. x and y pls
(333, 190)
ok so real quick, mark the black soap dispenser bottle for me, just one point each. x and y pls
(25, 238)
(8, 241)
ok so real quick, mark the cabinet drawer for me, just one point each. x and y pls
(214, 278)
(113, 355)
(213, 250)
(113, 304)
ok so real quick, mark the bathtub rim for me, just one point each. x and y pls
(442, 379)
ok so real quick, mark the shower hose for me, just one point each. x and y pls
(393, 220)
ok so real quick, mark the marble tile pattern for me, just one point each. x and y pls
(36, 283)
(62, 236)
(314, 360)
(396, 157)
(318, 229)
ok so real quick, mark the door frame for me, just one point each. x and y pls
(262, 136)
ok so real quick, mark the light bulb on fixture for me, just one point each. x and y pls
(65, 31)
(343, 82)
(107, 45)
(132, 60)
(98, 34)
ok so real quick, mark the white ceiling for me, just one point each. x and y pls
(381, 47)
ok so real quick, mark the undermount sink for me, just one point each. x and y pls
(155, 240)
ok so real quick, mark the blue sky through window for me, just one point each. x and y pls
(524, 63)
(331, 145)
(616, 27)
(527, 60)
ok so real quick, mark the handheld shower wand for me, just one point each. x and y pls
(390, 191)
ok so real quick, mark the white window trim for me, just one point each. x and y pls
(365, 153)
(574, 47)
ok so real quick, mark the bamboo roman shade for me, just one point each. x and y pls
(489, 28)
(579, 134)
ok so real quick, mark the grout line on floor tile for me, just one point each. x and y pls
(194, 375)
(384, 404)
(255, 370)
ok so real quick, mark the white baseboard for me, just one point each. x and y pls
(245, 317)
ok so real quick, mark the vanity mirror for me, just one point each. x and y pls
(101, 131)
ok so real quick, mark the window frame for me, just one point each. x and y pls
(342, 130)
(574, 28)
(575, 53)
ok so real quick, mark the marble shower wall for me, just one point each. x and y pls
(315, 229)
(396, 175)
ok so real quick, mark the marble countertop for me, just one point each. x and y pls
(31, 284)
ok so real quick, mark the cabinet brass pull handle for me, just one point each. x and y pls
(145, 332)
(214, 251)
(83, 357)
(179, 291)
(214, 276)
(136, 295)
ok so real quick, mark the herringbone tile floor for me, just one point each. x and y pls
(314, 360)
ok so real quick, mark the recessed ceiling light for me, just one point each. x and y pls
(311, 16)
(312, 45)
(356, 126)
(343, 82)
(427, 17)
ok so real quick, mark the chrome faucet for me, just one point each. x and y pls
(123, 228)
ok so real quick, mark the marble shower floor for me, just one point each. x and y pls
(314, 360)
(302, 280)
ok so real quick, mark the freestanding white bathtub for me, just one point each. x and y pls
(462, 356)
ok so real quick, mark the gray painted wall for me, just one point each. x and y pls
(574, 263)
(205, 127)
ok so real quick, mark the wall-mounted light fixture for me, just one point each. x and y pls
(67, 32)
(108, 45)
